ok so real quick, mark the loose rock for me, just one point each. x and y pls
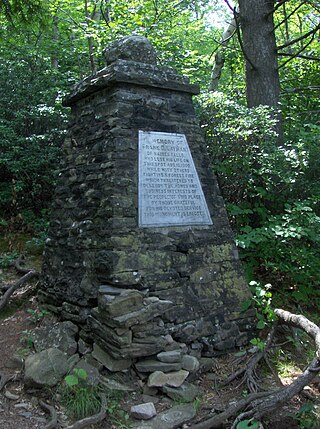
(46, 368)
(143, 411)
(174, 379)
(170, 419)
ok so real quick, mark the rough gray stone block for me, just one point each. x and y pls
(190, 363)
(46, 368)
(170, 419)
(174, 379)
(143, 411)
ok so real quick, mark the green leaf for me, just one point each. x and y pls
(81, 373)
(248, 424)
(261, 324)
(245, 305)
(71, 380)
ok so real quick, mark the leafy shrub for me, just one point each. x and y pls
(271, 192)
(6, 259)
(31, 132)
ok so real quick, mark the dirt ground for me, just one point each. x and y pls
(19, 408)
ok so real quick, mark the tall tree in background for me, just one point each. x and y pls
(24, 10)
(259, 46)
(260, 52)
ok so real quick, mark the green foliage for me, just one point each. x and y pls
(248, 424)
(271, 193)
(261, 300)
(307, 416)
(37, 315)
(6, 259)
(31, 133)
(80, 399)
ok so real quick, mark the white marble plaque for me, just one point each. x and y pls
(170, 192)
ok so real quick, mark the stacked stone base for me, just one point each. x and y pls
(180, 283)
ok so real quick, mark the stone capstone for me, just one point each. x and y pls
(46, 368)
(134, 47)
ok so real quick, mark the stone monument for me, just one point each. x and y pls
(140, 253)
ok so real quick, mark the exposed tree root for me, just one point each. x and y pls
(18, 265)
(257, 405)
(6, 296)
(96, 418)
(4, 379)
(53, 414)
(249, 373)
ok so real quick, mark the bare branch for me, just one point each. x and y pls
(229, 5)
(279, 4)
(219, 58)
(304, 57)
(290, 14)
(299, 52)
(304, 88)
(298, 39)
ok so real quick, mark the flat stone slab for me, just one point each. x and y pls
(170, 357)
(151, 365)
(170, 419)
(110, 384)
(174, 379)
(143, 411)
(185, 393)
(108, 361)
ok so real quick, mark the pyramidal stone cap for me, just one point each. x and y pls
(131, 48)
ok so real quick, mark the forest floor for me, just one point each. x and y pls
(19, 407)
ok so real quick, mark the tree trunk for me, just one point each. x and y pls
(259, 45)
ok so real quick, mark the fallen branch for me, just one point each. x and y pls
(53, 414)
(96, 418)
(15, 286)
(257, 405)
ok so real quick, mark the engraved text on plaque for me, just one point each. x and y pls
(170, 192)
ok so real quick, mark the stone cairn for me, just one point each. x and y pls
(154, 297)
